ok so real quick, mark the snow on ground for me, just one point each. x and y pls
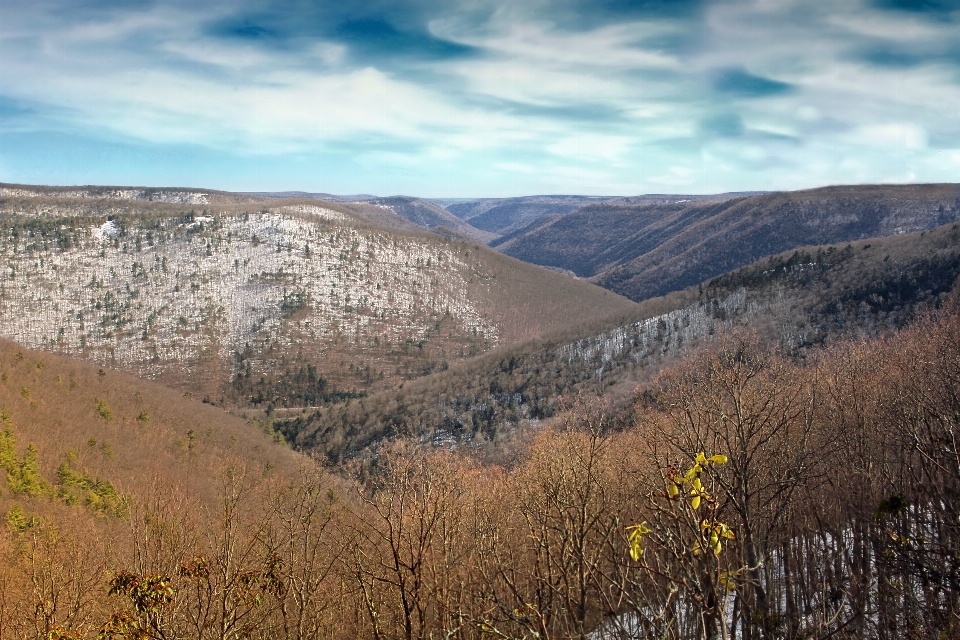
(147, 298)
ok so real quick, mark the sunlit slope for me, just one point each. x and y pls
(98, 434)
(104, 477)
(221, 294)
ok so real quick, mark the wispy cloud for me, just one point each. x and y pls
(485, 97)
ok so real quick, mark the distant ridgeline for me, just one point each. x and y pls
(642, 250)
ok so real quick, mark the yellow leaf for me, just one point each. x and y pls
(636, 546)
(700, 459)
(637, 532)
(673, 490)
(695, 503)
(727, 581)
(719, 459)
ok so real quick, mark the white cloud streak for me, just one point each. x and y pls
(595, 104)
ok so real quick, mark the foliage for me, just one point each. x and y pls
(23, 474)
(300, 387)
(149, 596)
(78, 487)
(17, 520)
(102, 409)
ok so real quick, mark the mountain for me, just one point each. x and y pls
(130, 512)
(326, 197)
(168, 195)
(642, 250)
(800, 300)
(135, 510)
(395, 212)
(289, 302)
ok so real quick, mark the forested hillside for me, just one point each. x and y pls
(503, 215)
(428, 215)
(642, 251)
(281, 301)
(744, 493)
(451, 443)
(800, 299)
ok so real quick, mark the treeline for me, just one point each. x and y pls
(744, 495)
(298, 387)
(802, 299)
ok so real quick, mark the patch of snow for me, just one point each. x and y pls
(157, 301)
(108, 229)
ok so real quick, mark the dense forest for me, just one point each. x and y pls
(744, 494)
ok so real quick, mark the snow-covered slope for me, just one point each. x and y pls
(195, 297)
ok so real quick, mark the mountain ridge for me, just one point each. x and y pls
(647, 250)
(227, 299)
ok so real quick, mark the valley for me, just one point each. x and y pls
(279, 416)
(799, 300)
(643, 250)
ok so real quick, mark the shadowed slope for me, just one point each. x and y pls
(643, 251)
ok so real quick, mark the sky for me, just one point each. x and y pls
(480, 98)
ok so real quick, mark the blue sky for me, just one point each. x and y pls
(469, 98)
